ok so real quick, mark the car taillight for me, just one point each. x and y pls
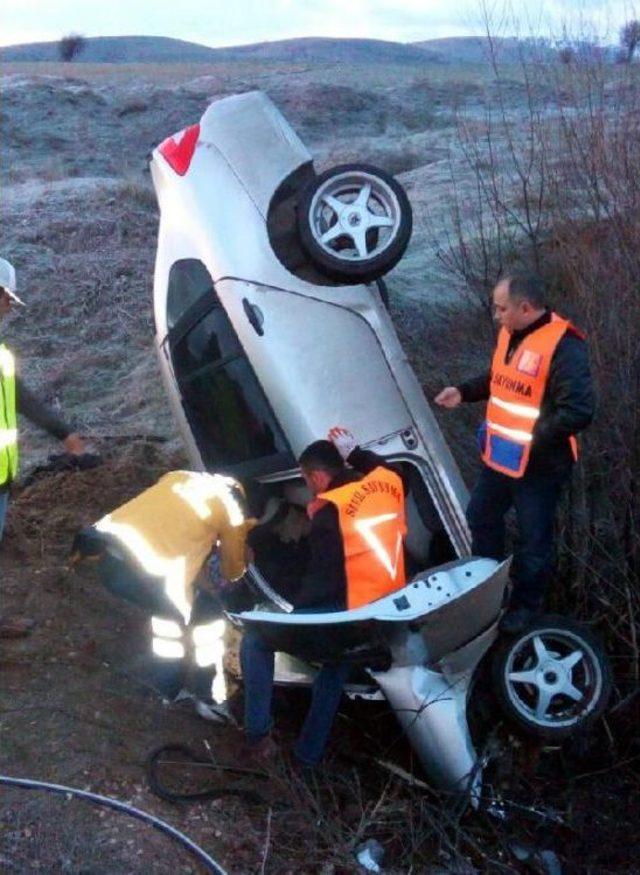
(178, 149)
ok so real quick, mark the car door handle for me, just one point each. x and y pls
(254, 315)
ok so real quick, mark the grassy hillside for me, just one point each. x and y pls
(150, 49)
(116, 50)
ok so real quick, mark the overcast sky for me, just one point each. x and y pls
(234, 22)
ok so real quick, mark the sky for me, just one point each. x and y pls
(237, 22)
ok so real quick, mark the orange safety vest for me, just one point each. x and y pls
(516, 392)
(372, 525)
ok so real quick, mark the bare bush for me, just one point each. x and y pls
(70, 46)
(558, 190)
(629, 39)
(566, 55)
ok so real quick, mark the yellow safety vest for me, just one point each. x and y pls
(8, 419)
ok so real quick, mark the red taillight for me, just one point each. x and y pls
(178, 150)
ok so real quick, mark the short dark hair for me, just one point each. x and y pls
(527, 287)
(321, 456)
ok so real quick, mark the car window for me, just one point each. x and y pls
(227, 410)
(189, 281)
(229, 414)
(209, 340)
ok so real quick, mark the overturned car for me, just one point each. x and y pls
(271, 327)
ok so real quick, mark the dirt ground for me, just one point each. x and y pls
(76, 709)
(79, 221)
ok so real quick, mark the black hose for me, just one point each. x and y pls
(157, 787)
(116, 805)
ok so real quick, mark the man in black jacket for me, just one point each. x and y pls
(546, 433)
(322, 588)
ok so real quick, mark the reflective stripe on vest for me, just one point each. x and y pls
(8, 420)
(372, 525)
(516, 393)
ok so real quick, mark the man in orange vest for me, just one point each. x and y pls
(539, 396)
(356, 544)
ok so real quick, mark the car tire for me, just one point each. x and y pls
(552, 679)
(354, 222)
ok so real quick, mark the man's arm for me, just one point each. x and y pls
(360, 460)
(569, 403)
(366, 461)
(477, 389)
(38, 413)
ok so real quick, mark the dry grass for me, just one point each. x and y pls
(556, 190)
(85, 250)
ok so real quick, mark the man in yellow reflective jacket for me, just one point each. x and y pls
(152, 550)
(16, 398)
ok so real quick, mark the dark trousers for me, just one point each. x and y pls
(257, 661)
(166, 673)
(535, 498)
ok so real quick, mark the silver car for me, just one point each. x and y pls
(272, 327)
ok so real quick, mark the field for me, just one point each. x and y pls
(79, 222)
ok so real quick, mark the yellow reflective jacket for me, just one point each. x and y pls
(8, 420)
(171, 528)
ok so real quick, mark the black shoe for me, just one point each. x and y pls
(516, 620)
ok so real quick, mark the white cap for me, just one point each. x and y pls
(8, 280)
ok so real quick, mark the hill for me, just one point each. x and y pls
(151, 49)
(476, 49)
(116, 50)
(327, 50)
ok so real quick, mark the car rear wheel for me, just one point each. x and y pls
(553, 678)
(355, 222)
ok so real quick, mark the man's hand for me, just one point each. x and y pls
(449, 397)
(343, 441)
(74, 444)
(215, 578)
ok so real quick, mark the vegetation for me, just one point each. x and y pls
(629, 39)
(70, 46)
(561, 194)
(566, 54)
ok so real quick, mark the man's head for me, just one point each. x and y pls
(518, 300)
(319, 464)
(7, 287)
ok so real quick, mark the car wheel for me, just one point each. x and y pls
(553, 678)
(354, 222)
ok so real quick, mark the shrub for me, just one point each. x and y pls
(559, 192)
(629, 39)
(70, 46)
